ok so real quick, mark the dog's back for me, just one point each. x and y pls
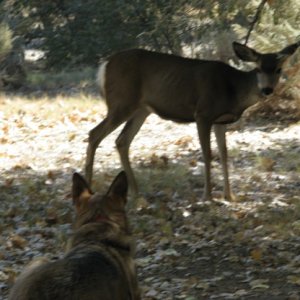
(79, 276)
(99, 263)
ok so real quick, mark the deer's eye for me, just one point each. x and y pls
(278, 71)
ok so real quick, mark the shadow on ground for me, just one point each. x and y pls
(186, 248)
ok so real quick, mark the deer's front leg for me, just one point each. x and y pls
(204, 128)
(220, 133)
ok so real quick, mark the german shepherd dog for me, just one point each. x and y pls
(99, 261)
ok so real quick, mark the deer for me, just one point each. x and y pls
(138, 82)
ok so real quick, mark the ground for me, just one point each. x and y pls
(186, 248)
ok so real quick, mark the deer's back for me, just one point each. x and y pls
(174, 87)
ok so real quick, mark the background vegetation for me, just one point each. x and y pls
(73, 32)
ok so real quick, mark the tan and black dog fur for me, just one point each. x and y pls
(99, 261)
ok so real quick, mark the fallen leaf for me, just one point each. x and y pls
(259, 284)
(294, 279)
(266, 163)
(18, 241)
(256, 254)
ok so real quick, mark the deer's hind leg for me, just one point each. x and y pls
(124, 140)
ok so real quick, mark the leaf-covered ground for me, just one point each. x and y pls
(186, 248)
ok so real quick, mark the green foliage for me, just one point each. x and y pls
(78, 79)
(5, 40)
(277, 27)
(73, 32)
(80, 32)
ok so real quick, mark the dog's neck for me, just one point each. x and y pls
(114, 243)
(101, 235)
(110, 241)
(101, 219)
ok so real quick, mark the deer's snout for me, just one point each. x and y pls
(267, 91)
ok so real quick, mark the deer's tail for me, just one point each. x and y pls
(100, 79)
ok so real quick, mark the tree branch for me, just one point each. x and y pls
(255, 19)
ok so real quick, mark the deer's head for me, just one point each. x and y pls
(268, 65)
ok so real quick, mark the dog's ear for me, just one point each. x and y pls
(80, 190)
(119, 187)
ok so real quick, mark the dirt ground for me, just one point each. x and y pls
(186, 248)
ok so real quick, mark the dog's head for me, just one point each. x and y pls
(93, 207)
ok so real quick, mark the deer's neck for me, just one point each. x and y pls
(249, 93)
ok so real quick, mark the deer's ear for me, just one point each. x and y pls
(245, 53)
(81, 191)
(119, 187)
(288, 51)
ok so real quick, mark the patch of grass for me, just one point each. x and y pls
(265, 163)
(151, 180)
(291, 162)
(283, 161)
(234, 152)
(79, 78)
(171, 179)
(52, 108)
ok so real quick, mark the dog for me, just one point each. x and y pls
(98, 264)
